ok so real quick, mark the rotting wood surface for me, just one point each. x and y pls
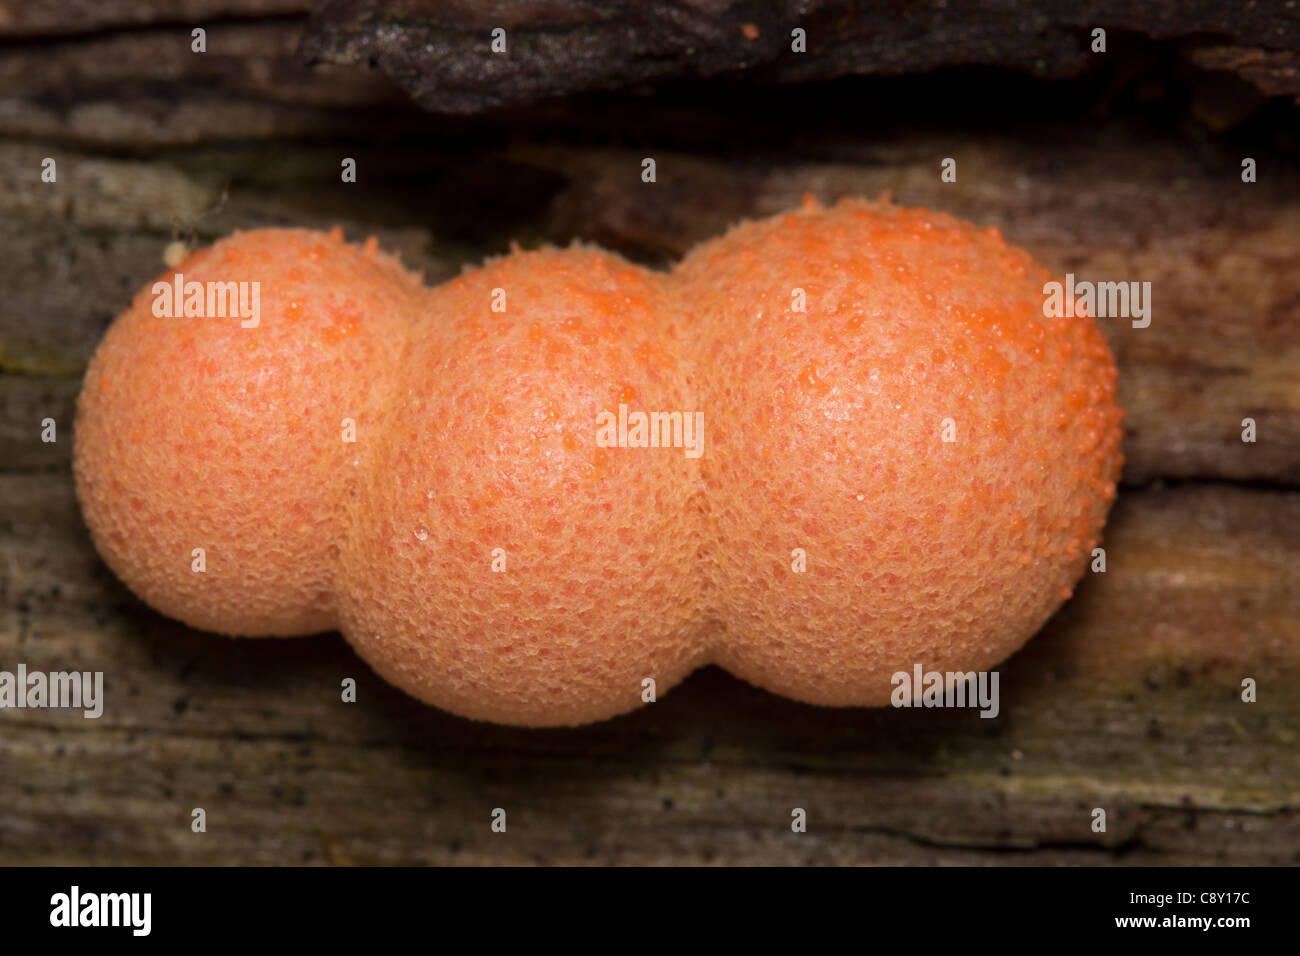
(1129, 700)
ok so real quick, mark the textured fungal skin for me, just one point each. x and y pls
(950, 554)
(489, 443)
(199, 433)
(482, 551)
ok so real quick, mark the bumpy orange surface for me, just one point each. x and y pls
(903, 461)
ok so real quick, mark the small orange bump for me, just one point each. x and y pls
(810, 378)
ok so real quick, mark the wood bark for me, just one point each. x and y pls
(1129, 700)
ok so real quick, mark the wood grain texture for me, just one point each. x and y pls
(1129, 700)
(1222, 257)
(440, 53)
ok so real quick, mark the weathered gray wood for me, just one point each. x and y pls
(1129, 701)
(71, 17)
(441, 52)
(1221, 255)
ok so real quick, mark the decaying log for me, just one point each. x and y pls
(72, 17)
(442, 53)
(1129, 700)
(1221, 255)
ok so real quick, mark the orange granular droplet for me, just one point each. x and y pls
(431, 478)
